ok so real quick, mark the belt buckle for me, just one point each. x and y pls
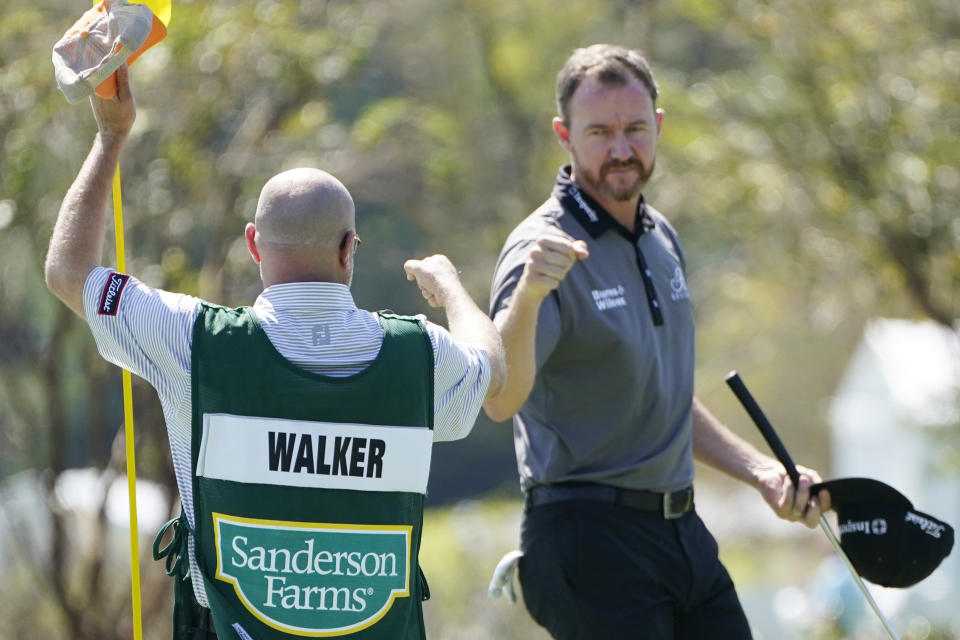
(672, 510)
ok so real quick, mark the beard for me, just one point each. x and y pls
(618, 191)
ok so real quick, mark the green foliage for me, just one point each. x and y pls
(836, 127)
(808, 159)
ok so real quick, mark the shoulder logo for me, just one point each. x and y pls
(110, 298)
(678, 286)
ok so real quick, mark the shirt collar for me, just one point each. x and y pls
(304, 296)
(588, 212)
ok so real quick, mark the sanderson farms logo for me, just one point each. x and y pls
(313, 579)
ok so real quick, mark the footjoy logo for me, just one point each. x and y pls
(609, 298)
(313, 579)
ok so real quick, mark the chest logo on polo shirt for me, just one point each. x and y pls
(611, 298)
(678, 286)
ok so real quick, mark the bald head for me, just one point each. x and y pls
(304, 207)
(303, 217)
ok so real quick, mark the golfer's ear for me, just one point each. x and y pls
(660, 114)
(563, 133)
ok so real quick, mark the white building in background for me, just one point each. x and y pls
(96, 520)
(26, 523)
(896, 418)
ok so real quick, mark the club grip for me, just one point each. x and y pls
(756, 414)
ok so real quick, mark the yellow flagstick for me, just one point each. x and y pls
(162, 9)
(128, 429)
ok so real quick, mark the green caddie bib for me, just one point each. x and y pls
(308, 489)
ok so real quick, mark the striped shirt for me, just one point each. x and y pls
(315, 325)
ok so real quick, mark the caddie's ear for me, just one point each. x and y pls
(347, 248)
(660, 114)
(563, 133)
(249, 235)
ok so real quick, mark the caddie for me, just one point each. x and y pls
(301, 427)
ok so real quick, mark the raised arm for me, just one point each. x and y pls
(76, 246)
(441, 287)
(546, 267)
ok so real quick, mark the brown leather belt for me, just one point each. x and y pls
(669, 505)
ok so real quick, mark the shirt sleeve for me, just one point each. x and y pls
(461, 375)
(144, 330)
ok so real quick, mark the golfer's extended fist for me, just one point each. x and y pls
(436, 276)
(548, 263)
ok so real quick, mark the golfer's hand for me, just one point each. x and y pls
(789, 504)
(548, 264)
(115, 116)
(436, 276)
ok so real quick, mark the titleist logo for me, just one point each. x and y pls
(110, 298)
(929, 527)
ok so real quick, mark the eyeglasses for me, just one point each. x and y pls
(356, 240)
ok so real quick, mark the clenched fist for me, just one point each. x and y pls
(436, 276)
(548, 264)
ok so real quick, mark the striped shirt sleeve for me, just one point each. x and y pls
(461, 377)
(144, 330)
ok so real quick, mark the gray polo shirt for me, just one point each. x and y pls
(612, 398)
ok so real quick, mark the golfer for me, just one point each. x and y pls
(300, 428)
(591, 300)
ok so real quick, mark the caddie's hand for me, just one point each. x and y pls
(548, 264)
(436, 276)
(115, 116)
(790, 504)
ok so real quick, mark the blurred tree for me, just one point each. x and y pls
(826, 129)
(807, 160)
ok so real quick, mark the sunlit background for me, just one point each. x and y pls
(809, 160)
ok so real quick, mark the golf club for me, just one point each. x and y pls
(756, 414)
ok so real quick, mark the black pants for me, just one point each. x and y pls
(593, 570)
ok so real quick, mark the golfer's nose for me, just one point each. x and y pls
(620, 147)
